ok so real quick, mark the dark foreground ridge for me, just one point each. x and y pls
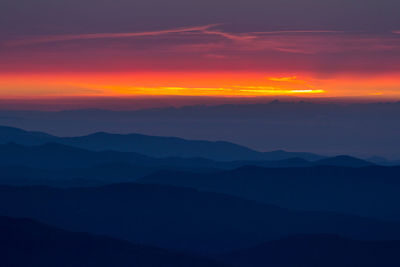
(318, 251)
(24, 242)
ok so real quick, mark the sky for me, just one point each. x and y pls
(208, 49)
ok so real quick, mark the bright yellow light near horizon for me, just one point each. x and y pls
(376, 93)
(284, 92)
(231, 91)
(196, 84)
(283, 79)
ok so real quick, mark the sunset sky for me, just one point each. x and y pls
(219, 48)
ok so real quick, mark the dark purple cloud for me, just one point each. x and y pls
(88, 16)
(282, 35)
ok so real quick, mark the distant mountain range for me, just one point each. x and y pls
(153, 146)
(53, 155)
(322, 128)
(161, 147)
(39, 150)
(179, 218)
(57, 164)
(24, 242)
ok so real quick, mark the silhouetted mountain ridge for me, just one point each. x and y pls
(178, 218)
(343, 160)
(322, 128)
(154, 146)
(55, 155)
(370, 191)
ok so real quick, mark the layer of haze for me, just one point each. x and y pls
(364, 129)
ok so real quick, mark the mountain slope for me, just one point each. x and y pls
(164, 146)
(281, 155)
(55, 155)
(19, 136)
(318, 251)
(153, 146)
(24, 242)
(178, 218)
(343, 160)
(368, 191)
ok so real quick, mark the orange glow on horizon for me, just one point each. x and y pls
(219, 84)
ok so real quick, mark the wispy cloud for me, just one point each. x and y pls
(299, 31)
(209, 29)
(230, 36)
(287, 41)
(71, 37)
